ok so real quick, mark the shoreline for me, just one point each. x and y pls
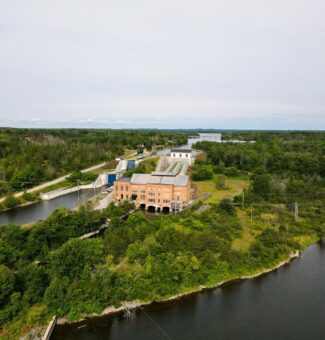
(126, 305)
(20, 205)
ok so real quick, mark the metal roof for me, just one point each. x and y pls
(124, 179)
(180, 180)
(181, 150)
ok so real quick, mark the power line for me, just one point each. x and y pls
(155, 324)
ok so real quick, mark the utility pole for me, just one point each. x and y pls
(296, 212)
(243, 199)
(78, 194)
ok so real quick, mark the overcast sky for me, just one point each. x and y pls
(251, 64)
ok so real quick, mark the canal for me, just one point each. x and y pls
(288, 303)
(40, 210)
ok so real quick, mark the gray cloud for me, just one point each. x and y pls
(222, 64)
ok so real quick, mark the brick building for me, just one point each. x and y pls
(154, 192)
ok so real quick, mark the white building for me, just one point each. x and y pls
(180, 154)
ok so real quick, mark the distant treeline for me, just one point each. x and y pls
(31, 156)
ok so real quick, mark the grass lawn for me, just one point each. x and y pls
(249, 233)
(150, 164)
(129, 152)
(235, 186)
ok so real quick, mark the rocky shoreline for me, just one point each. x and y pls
(127, 305)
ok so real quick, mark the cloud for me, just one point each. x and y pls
(163, 63)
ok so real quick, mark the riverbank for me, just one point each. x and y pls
(131, 305)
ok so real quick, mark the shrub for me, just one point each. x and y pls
(221, 182)
(231, 172)
(202, 173)
(10, 201)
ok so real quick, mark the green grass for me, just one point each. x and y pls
(234, 186)
(249, 233)
(129, 152)
(56, 186)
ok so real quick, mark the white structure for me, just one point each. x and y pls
(180, 154)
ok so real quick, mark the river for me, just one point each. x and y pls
(40, 210)
(288, 303)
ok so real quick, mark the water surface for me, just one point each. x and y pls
(40, 210)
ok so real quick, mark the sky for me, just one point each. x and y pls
(230, 64)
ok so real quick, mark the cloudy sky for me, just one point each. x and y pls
(252, 64)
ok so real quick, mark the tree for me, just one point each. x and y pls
(202, 173)
(227, 207)
(10, 201)
(7, 282)
(221, 182)
(262, 185)
(70, 259)
(231, 172)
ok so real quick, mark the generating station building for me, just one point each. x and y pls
(168, 189)
(161, 193)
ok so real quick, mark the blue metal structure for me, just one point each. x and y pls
(111, 178)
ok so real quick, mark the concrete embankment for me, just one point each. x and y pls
(63, 191)
(49, 329)
(100, 182)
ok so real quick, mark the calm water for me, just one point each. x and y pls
(286, 304)
(41, 210)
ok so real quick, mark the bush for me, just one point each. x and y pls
(11, 201)
(231, 172)
(221, 182)
(202, 173)
(227, 207)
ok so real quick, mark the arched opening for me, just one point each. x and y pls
(158, 209)
(165, 210)
(143, 206)
(151, 208)
(134, 197)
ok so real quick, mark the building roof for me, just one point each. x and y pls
(124, 179)
(181, 150)
(180, 180)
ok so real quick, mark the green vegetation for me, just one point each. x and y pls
(145, 167)
(31, 156)
(233, 187)
(46, 269)
(81, 177)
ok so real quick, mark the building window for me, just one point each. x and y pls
(174, 155)
(116, 187)
(127, 188)
(122, 187)
(180, 155)
(186, 155)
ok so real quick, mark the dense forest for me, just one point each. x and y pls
(46, 269)
(30, 156)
